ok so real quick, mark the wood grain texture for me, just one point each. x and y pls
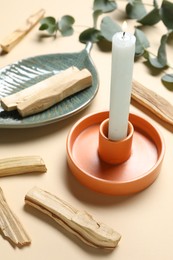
(152, 101)
(80, 223)
(21, 164)
(10, 225)
(15, 37)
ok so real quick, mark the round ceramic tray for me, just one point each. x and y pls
(132, 176)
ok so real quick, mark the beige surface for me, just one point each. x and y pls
(145, 220)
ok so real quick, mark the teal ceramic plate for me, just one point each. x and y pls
(27, 72)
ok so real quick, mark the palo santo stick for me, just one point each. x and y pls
(15, 37)
(21, 164)
(12, 101)
(10, 224)
(55, 93)
(152, 101)
(80, 223)
(48, 92)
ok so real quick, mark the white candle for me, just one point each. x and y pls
(123, 50)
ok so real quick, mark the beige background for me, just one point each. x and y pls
(145, 220)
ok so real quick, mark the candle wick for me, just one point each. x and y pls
(124, 34)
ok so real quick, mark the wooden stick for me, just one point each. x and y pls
(12, 101)
(21, 164)
(48, 92)
(15, 37)
(80, 223)
(10, 225)
(55, 93)
(152, 101)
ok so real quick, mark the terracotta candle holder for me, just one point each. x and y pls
(114, 152)
(115, 168)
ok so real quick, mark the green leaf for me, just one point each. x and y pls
(49, 24)
(166, 13)
(141, 42)
(151, 18)
(109, 28)
(161, 60)
(43, 27)
(49, 20)
(168, 78)
(91, 34)
(155, 63)
(162, 50)
(105, 6)
(135, 9)
(96, 14)
(65, 25)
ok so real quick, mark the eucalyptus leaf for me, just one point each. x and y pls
(168, 78)
(65, 25)
(166, 13)
(43, 27)
(109, 28)
(154, 62)
(141, 42)
(49, 20)
(105, 6)
(161, 60)
(135, 9)
(52, 29)
(151, 18)
(96, 14)
(162, 57)
(49, 24)
(90, 35)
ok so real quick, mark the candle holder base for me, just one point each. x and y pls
(114, 152)
(131, 176)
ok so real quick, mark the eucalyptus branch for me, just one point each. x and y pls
(134, 9)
